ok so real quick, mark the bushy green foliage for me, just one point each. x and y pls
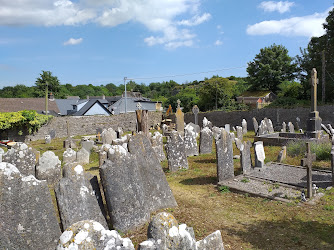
(321, 149)
(27, 119)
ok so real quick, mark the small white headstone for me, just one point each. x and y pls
(259, 154)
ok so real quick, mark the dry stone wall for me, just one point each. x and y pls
(87, 125)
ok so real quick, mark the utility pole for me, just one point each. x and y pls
(125, 104)
(46, 98)
(323, 77)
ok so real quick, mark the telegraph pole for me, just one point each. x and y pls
(46, 98)
(125, 104)
(323, 81)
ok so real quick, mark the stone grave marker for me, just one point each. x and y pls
(22, 157)
(270, 126)
(245, 157)
(88, 145)
(283, 127)
(179, 119)
(119, 132)
(47, 139)
(49, 168)
(197, 128)
(108, 135)
(239, 133)
(69, 155)
(216, 132)
(291, 127)
(206, 139)
(103, 156)
(176, 152)
(259, 154)
(263, 129)
(142, 121)
(244, 126)
(157, 145)
(255, 125)
(164, 129)
(27, 216)
(282, 154)
(190, 141)
(76, 198)
(307, 162)
(297, 123)
(207, 123)
(227, 127)
(224, 152)
(2, 152)
(52, 134)
(195, 110)
(82, 156)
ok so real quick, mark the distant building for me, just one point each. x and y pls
(258, 99)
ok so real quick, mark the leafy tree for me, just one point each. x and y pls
(270, 67)
(290, 89)
(188, 99)
(46, 78)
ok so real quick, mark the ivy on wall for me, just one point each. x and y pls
(25, 119)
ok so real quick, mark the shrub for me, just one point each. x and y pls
(321, 149)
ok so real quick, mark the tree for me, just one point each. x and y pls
(46, 78)
(270, 67)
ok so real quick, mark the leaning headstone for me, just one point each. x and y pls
(291, 127)
(47, 139)
(108, 135)
(244, 126)
(82, 156)
(263, 129)
(282, 154)
(69, 155)
(157, 145)
(27, 216)
(283, 127)
(179, 119)
(212, 241)
(76, 198)
(255, 125)
(195, 110)
(190, 141)
(176, 152)
(238, 144)
(22, 157)
(157, 192)
(126, 203)
(245, 157)
(206, 139)
(239, 133)
(197, 128)
(90, 234)
(259, 154)
(49, 168)
(88, 145)
(224, 152)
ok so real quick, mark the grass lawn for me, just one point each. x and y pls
(245, 222)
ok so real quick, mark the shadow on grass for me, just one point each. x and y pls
(93, 168)
(210, 160)
(204, 180)
(287, 234)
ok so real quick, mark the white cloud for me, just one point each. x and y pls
(296, 26)
(157, 16)
(281, 7)
(218, 43)
(73, 41)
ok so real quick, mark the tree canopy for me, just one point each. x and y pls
(47, 79)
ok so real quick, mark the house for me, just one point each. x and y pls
(258, 99)
(38, 104)
(131, 105)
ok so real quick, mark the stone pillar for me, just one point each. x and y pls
(142, 121)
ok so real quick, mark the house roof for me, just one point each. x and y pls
(119, 106)
(261, 93)
(18, 104)
(90, 104)
(67, 104)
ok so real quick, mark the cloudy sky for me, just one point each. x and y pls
(103, 41)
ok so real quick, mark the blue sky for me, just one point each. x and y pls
(102, 41)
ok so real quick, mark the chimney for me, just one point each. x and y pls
(87, 97)
(51, 97)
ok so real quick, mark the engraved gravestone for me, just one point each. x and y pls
(190, 141)
(195, 110)
(244, 126)
(206, 139)
(176, 152)
(245, 157)
(49, 168)
(255, 125)
(157, 145)
(179, 119)
(259, 154)
(224, 154)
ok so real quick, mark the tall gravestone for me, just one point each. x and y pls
(291, 127)
(313, 129)
(255, 125)
(239, 133)
(244, 126)
(283, 127)
(176, 152)
(2, 152)
(259, 154)
(206, 140)
(245, 157)
(195, 110)
(108, 135)
(27, 216)
(224, 152)
(157, 145)
(179, 119)
(142, 120)
(307, 162)
(190, 141)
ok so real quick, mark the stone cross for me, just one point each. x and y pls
(307, 162)
(314, 82)
(178, 103)
(196, 111)
(139, 106)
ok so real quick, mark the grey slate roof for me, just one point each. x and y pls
(67, 104)
(119, 106)
(88, 105)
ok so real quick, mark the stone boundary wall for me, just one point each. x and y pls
(88, 125)
(277, 115)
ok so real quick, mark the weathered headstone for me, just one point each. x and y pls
(49, 168)
(88, 145)
(195, 110)
(283, 127)
(307, 162)
(82, 156)
(90, 234)
(255, 125)
(206, 139)
(164, 129)
(190, 141)
(239, 133)
(227, 127)
(103, 156)
(238, 144)
(27, 216)
(119, 132)
(22, 157)
(108, 135)
(142, 121)
(207, 123)
(69, 155)
(176, 152)
(47, 139)
(216, 132)
(157, 145)
(270, 126)
(297, 123)
(245, 157)
(244, 126)
(282, 154)
(224, 152)
(263, 129)
(291, 127)
(157, 192)
(179, 119)
(76, 198)
(212, 241)
(259, 154)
